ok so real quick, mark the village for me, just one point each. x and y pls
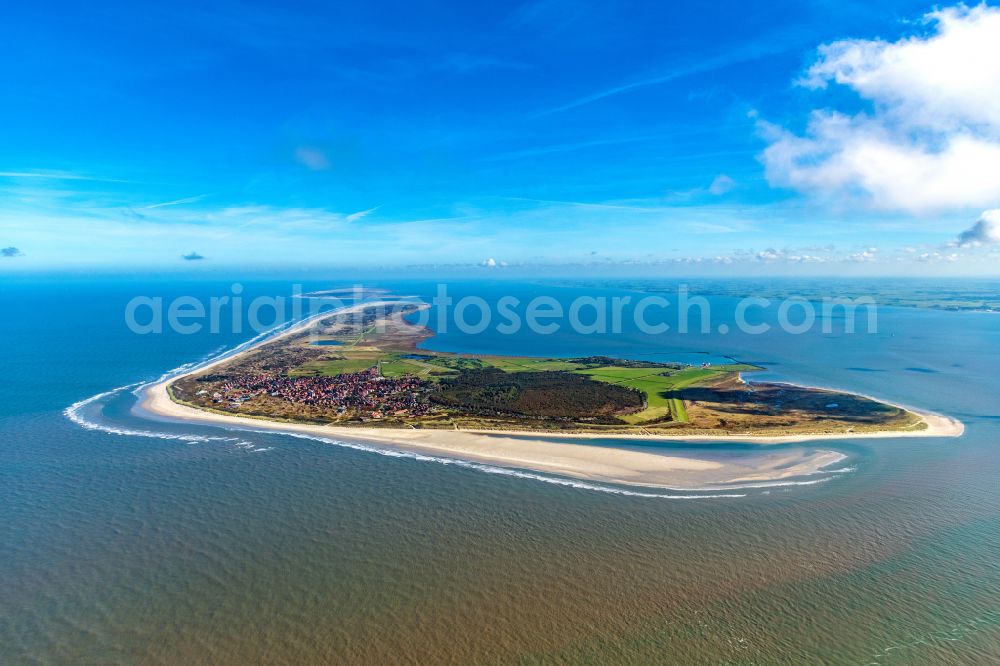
(365, 395)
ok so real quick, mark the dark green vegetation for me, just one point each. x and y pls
(553, 394)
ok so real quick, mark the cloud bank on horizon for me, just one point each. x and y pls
(527, 133)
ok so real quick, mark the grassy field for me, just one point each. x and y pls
(659, 386)
(426, 366)
(333, 367)
(398, 366)
(514, 364)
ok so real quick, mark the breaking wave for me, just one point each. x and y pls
(75, 414)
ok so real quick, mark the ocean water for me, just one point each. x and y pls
(129, 540)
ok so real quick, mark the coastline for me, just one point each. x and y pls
(573, 456)
(530, 451)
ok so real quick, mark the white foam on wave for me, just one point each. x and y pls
(842, 470)
(75, 414)
(75, 411)
(775, 484)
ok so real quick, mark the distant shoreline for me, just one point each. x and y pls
(574, 456)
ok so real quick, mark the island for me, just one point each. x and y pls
(360, 371)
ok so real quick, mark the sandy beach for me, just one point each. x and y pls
(570, 455)
(528, 451)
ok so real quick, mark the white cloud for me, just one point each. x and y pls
(312, 158)
(865, 256)
(776, 43)
(932, 140)
(721, 184)
(986, 230)
(945, 80)
(56, 175)
(283, 220)
(175, 202)
(770, 256)
(354, 217)
(938, 257)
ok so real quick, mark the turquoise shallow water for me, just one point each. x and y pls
(225, 547)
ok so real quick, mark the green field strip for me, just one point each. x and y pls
(333, 367)
(659, 389)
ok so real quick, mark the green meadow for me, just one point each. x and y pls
(660, 387)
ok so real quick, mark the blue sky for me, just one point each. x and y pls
(660, 135)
